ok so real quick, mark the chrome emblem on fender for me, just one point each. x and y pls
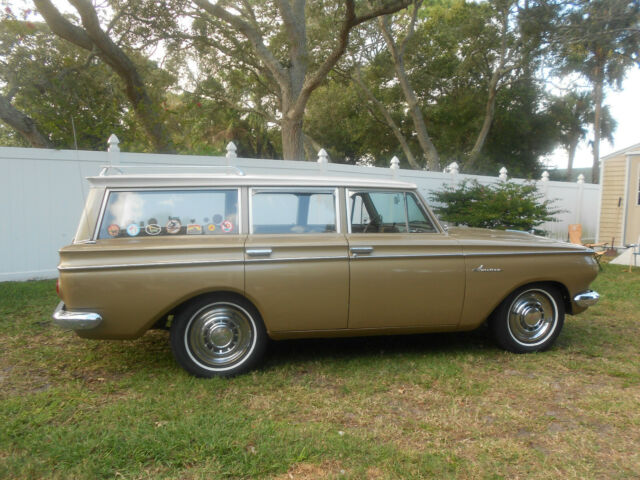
(482, 268)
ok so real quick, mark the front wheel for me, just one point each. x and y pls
(218, 335)
(528, 320)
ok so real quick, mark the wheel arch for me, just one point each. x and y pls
(564, 292)
(163, 321)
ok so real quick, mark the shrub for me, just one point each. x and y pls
(502, 205)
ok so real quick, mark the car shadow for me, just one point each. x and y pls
(284, 352)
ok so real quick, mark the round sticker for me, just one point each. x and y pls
(153, 229)
(173, 226)
(211, 228)
(113, 230)
(226, 226)
(133, 230)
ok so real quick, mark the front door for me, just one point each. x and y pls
(404, 272)
(296, 262)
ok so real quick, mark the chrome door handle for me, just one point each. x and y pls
(361, 250)
(259, 252)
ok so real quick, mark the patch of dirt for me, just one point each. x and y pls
(311, 471)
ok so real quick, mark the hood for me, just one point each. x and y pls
(508, 238)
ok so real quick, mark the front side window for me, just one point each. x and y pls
(169, 212)
(388, 212)
(277, 212)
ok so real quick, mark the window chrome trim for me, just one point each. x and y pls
(107, 193)
(335, 191)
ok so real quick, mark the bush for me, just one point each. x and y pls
(502, 205)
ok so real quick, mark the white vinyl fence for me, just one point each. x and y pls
(42, 193)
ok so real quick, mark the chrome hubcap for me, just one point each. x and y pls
(219, 335)
(532, 317)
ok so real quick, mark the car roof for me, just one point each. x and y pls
(165, 180)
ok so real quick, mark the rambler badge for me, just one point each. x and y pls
(482, 268)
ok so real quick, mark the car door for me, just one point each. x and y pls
(404, 271)
(296, 261)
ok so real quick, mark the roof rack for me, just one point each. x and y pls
(127, 169)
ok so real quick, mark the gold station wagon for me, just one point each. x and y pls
(228, 261)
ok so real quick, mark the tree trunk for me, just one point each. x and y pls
(428, 148)
(22, 124)
(597, 98)
(292, 138)
(488, 120)
(572, 155)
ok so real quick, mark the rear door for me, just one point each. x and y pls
(404, 272)
(296, 262)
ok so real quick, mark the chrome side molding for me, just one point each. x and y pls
(586, 299)
(75, 320)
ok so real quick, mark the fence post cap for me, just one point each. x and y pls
(395, 163)
(545, 176)
(453, 168)
(503, 174)
(580, 179)
(231, 150)
(113, 142)
(323, 156)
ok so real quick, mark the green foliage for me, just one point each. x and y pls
(499, 206)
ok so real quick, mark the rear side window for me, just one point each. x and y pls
(169, 213)
(275, 212)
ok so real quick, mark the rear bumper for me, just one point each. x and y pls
(586, 299)
(75, 320)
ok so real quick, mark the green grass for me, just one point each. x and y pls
(445, 406)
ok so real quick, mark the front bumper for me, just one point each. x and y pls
(586, 299)
(75, 320)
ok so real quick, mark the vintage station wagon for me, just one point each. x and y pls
(228, 261)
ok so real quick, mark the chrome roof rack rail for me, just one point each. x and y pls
(128, 169)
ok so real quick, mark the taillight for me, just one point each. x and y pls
(58, 288)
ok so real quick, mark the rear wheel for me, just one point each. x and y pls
(528, 320)
(218, 335)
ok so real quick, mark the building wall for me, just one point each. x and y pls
(614, 179)
(632, 231)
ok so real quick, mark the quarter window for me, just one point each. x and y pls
(276, 212)
(388, 212)
(170, 212)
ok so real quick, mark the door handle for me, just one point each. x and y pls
(259, 252)
(361, 250)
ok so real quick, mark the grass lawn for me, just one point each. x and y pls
(397, 407)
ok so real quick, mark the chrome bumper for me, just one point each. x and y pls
(75, 320)
(586, 299)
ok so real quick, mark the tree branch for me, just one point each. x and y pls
(23, 124)
(349, 21)
(252, 34)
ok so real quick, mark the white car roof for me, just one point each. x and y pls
(164, 180)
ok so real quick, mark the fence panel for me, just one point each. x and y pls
(42, 193)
